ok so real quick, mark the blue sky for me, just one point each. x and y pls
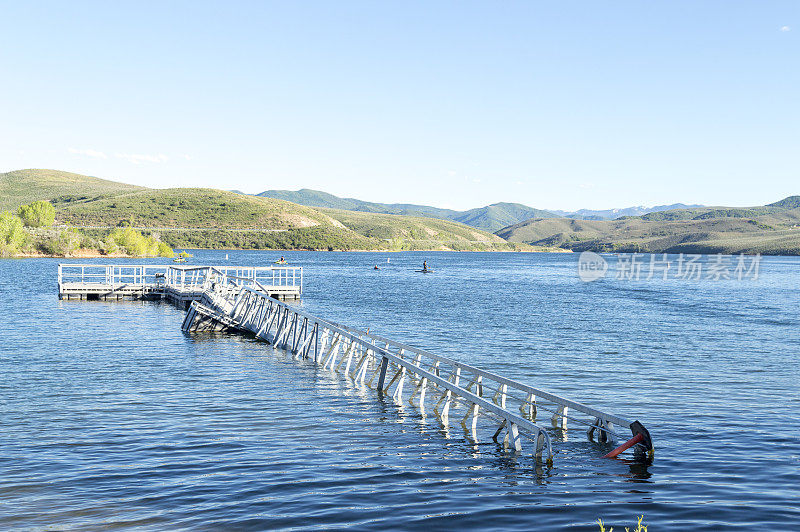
(457, 104)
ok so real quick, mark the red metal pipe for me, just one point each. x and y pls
(627, 445)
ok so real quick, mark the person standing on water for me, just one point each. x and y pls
(424, 265)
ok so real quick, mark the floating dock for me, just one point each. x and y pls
(254, 303)
(177, 284)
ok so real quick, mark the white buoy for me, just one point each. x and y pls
(226, 256)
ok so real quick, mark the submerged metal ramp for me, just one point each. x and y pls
(396, 369)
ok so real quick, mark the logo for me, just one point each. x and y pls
(591, 266)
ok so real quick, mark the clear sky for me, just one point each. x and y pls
(456, 104)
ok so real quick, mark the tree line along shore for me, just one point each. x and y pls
(29, 232)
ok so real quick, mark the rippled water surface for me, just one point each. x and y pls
(111, 417)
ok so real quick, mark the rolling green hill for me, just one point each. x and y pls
(191, 208)
(768, 229)
(21, 187)
(499, 215)
(317, 198)
(792, 202)
(411, 232)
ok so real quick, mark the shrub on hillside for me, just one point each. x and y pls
(59, 243)
(134, 243)
(37, 214)
(12, 234)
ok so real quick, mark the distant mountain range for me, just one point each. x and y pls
(490, 218)
(613, 214)
(772, 229)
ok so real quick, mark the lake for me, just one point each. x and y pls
(113, 418)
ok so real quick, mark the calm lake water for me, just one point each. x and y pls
(111, 417)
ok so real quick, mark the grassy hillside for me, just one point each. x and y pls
(307, 238)
(21, 187)
(792, 202)
(317, 198)
(499, 215)
(191, 208)
(409, 232)
(766, 230)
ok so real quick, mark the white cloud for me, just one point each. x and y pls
(187, 156)
(476, 180)
(785, 28)
(139, 158)
(89, 153)
(451, 172)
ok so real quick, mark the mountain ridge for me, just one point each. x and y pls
(490, 218)
(772, 229)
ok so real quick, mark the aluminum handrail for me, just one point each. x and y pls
(259, 319)
(537, 392)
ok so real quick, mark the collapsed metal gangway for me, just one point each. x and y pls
(408, 373)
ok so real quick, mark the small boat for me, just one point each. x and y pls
(182, 256)
(280, 262)
(424, 271)
(375, 267)
(226, 256)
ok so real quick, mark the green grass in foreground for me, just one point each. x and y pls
(640, 527)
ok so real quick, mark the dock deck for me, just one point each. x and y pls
(178, 284)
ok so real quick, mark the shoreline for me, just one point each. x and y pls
(80, 253)
(97, 255)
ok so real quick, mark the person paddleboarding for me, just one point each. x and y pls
(424, 268)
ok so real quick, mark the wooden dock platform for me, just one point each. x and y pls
(177, 284)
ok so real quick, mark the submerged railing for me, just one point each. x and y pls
(394, 368)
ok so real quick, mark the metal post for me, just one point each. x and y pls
(382, 376)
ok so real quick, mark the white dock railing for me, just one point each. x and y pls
(110, 274)
(372, 360)
(114, 276)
